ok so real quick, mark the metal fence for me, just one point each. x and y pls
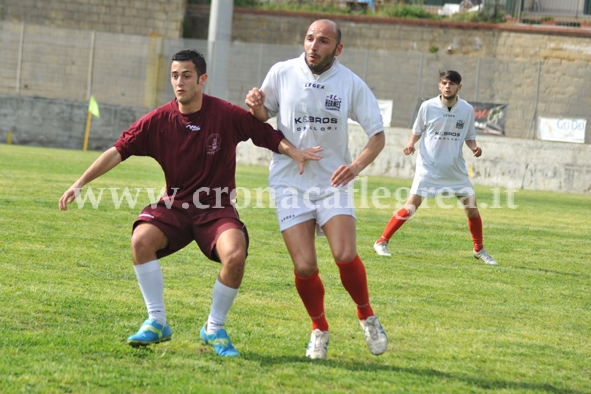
(134, 71)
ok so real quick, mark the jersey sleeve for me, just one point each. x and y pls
(262, 134)
(419, 126)
(471, 134)
(133, 141)
(270, 87)
(364, 108)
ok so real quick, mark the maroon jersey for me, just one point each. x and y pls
(197, 151)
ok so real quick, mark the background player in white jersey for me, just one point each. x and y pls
(313, 96)
(445, 122)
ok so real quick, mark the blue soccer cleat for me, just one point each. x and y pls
(220, 341)
(150, 332)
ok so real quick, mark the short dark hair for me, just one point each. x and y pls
(452, 75)
(193, 56)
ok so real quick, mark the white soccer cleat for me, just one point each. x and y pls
(376, 338)
(482, 255)
(318, 345)
(381, 248)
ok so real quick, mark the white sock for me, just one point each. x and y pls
(149, 277)
(222, 299)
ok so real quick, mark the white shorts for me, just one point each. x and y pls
(293, 209)
(429, 189)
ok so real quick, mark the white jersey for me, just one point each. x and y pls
(440, 161)
(312, 111)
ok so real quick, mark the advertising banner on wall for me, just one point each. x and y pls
(560, 129)
(489, 118)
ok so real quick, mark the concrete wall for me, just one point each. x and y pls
(143, 17)
(62, 123)
(506, 162)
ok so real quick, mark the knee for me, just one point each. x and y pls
(146, 242)
(345, 255)
(472, 213)
(306, 271)
(235, 260)
(140, 244)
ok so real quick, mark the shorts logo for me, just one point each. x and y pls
(460, 124)
(333, 103)
(193, 127)
(213, 144)
(283, 219)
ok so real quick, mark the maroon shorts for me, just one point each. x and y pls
(182, 225)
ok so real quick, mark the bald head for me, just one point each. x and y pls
(329, 27)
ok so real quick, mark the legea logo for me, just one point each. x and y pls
(193, 127)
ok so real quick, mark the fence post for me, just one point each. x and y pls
(477, 80)
(420, 84)
(90, 67)
(151, 85)
(20, 58)
(260, 76)
(366, 65)
(533, 118)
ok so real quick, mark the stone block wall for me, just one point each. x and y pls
(143, 17)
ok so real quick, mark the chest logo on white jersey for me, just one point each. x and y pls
(313, 85)
(213, 144)
(332, 103)
(193, 127)
(460, 124)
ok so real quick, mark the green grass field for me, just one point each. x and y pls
(69, 297)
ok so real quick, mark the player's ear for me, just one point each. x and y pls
(339, 50)
(202, 79)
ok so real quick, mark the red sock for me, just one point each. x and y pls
(475, 226)
(394, 224)
(311, 291)
(354, 279)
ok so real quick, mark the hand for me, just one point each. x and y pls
(301, 156)
(255, 98)
(477, 151)
(409, 150)
(68, 197)
(343, 175)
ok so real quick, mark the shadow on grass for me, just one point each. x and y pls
(482, 383)
(545, 271)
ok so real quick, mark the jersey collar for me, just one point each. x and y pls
(308, 73)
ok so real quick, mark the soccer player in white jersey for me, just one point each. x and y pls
(313, 96)
(446, 122)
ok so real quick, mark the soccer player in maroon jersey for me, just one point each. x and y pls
(194, 139)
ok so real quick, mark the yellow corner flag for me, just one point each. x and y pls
(93, 107)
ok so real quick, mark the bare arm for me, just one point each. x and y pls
(474, 148)
(345, 174)
(409, 149)
(105, 162)
(255, 99)
(299, 156)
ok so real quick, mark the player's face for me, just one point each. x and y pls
(449, 90)
(187, 85)
(321, 46)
